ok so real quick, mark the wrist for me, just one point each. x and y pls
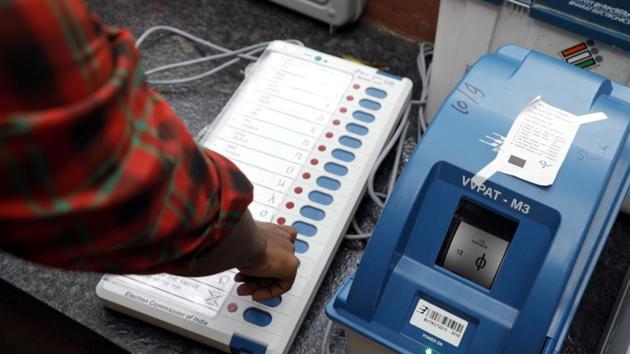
(260, 248)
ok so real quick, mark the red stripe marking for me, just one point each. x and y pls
(577, 48)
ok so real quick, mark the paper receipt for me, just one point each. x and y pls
(537, 143)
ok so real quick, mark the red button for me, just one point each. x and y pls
(289, 205)
(306, 175)
(321, 148)
(281, 220)
(298, 190)
(349, 98)
(336, 122)
(343, 110)
(356, 86)
(329, 135)
(232, 307)
(314, 162)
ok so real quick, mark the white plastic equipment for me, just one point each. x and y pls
(468, 29)
(333, 12)
(306, 128)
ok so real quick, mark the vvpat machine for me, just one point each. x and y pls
(486, 244)
(589, 34)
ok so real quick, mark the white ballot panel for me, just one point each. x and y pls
(306, 128)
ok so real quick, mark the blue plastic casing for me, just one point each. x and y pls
(560, 234)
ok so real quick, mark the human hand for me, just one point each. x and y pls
(275, 273)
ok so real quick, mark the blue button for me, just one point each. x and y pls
(305, 229)
(328, 183)
(374, 92)
(273, 302)
(301, 246)
(369, 104)
(357, 129)
(350, 142)
(336, 169)
(343, 155)
(258, 317)
(312, 213)
(363, 116)
(321, 198)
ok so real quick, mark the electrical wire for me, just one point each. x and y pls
(396, 139)
(325, 347)
(248, 53)
(424, 70)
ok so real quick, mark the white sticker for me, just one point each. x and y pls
(205, 295)
(439, 322)
(537, 143)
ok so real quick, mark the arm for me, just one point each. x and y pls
(96, 171)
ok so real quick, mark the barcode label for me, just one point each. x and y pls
(439, 322)
(517, 161)
(446, 321)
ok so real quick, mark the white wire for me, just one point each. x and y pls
(392, 141)
(399, 149)
(425, 50)
(258, 47)
(185, 34)
(325, 348)
(397, 137)
(248, 53)
(360, 235)
(194, 77)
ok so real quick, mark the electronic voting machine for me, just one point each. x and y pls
(306, 128)
(494, 227)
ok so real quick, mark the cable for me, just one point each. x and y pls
(325, 347)
(424, 70)
(194, 77)
(399, 149)
(390, 144)
(397, 138)
(248, 53)
(360, 235)
(403, 126)
(253, 48)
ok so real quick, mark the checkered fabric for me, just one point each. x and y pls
(96, 171)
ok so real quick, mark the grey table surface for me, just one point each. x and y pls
(236, 23)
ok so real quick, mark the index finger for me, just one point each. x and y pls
(273, 290)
